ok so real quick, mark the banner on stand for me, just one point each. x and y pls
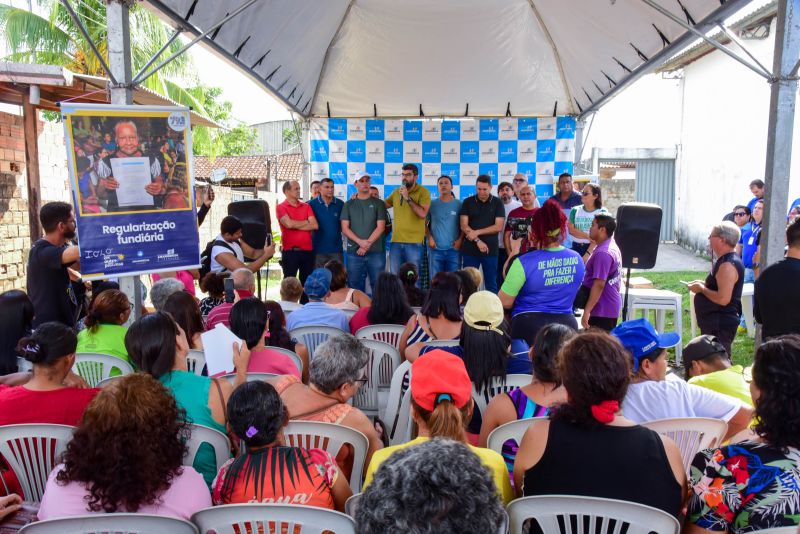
(132, 188)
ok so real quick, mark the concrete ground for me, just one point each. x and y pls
(672, 257)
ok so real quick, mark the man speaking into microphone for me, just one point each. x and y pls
(411, 203)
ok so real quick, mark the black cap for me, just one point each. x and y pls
(702, 347)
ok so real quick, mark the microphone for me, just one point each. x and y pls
(401, 196)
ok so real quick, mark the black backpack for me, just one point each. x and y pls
(205, 257)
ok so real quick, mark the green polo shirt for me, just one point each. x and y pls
(407, 226)
(729, 382)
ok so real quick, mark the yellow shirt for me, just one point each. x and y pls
(407, 226)
(488, 457)
(730, 381)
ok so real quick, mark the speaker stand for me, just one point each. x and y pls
(627, 288)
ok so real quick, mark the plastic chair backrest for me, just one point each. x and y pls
(95, 367)
(251, 377)
(295, 518)
(442, 343)
(215, 438)
(391, 411)
(32, 451)
(497, 386)
(594, 515)
(107, 381)
(116, 523)
(314, 336)
(291, 354)
(195, 361)
(23, 365)
(388, 333)
(690, 434)
(331, 438)
(513, 430)
(383, 360)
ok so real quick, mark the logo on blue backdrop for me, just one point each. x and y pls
(451, 131)
(527, 129)
(394, 151)
(356, 151)
(508, 152)
(319, 150)
(489, 128)
(337, 129)
(469, 151)
(375, 130)
(431, 152)
(375, 171)
(339, 173)
(412, 131)
(565, 128)
(546, 150)
(451, 170)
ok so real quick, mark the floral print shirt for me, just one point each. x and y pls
(745, 487)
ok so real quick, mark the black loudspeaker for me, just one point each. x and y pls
(254, 215)
(637, 235)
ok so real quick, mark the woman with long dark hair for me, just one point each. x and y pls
(340, 296)
(389, 304)
(752, 485)
(409, 276)
(279, 336)
(587, 447)
(269, 471)
(540, 285)
(184, 309)
(127, 456)
(440, 317)
(16, 318)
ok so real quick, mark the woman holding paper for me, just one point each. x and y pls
(158, 346)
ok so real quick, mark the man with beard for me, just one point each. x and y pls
(49, 285)
(127, 139)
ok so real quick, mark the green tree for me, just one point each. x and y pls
(291, 136)
(233, 139)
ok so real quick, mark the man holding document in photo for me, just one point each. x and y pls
(128, 178)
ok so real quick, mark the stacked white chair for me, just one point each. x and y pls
(330, 438)
(388, 333)
(240, 518)
(116, 523)
(96, 367)
(690, 434)
(397, 413)
(313, 336)
(371, 397)
(592, 515)
(32, 450)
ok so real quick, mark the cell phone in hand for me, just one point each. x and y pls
(229, 296)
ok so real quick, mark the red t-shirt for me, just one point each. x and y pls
(294, 238)
(359, 320)
(19, 405)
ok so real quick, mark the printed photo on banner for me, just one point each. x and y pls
(129, 161)
(132, 188)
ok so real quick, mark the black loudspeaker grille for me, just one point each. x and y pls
(637, 235)
(255, 218)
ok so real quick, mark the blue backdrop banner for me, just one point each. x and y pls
(132, 188)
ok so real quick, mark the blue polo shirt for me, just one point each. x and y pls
(749, 241)
(328, 238)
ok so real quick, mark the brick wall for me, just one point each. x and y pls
(616, 192)
(15, 239)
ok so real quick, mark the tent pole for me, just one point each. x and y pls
(783, 94)
(153, 59)
(82, 28)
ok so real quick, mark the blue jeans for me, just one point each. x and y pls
(404, 252)
(444, 260)
(489, 265)
(358, 267)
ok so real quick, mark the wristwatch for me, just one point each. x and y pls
(410, 200)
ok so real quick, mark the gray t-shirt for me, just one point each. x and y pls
(363, 216)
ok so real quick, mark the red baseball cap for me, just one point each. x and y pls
(439, 374)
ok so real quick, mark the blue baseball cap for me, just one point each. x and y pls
(318, 283)
(640, 339)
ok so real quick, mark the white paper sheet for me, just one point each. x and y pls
(133, 175)
(218, 349)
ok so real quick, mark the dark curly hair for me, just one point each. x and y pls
(128, 446)
(594, 367)
(548, 224)
(776, 373)
(214, 284)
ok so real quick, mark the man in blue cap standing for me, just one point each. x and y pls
(316, 312)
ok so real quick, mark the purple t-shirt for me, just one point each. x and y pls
(604, 264)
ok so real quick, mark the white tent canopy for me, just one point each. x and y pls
(393, 58)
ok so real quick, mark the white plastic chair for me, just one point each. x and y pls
(291, 354)
(251, 377)
(32, 451)
(116, 523)
(330, 438)
(203, 434)
(604, 515)
(388, 333)
(295, 518)
(314, 336)
(513, 430)
(107, 381)
(195, 361)
(442, 343)
(396, 413)
(23, 365)
(95, 367)
(690, 434)
(384, 359)
(497, 386)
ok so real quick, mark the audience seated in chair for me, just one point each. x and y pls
(441, 405)
(291, 291)
(244, 285)
(535, 399)
(709, 366)
(279, 336)
(440, 317)
(184, 309)
(588, 447)
(337, 371)
(752, 485)
(159, 347)
(162, 289)
(434, 487)
(651, 397)
(389, 305)
(212, 284)
(316, 311)
(269, 471)
(105, 330)
(126, 456)
(343, 297)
